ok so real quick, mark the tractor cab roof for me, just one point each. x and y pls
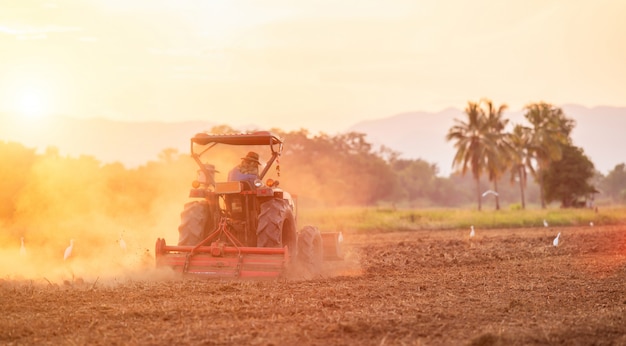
(252, 138)
(202, 142)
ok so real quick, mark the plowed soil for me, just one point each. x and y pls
(501, 287)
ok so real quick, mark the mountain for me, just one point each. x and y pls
(600, 131)
(415, 135)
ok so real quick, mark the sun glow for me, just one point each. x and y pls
(31, 104)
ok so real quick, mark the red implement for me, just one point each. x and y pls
(219, 260)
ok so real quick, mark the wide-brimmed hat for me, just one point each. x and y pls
(211, 168)
(252, 156)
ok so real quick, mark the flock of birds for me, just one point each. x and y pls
(555, 241)
(68, 250)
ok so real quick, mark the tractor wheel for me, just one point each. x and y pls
(193, 221)
(277, 226)
(310, 251)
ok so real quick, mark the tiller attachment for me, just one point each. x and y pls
(332, 246)
(222, 260)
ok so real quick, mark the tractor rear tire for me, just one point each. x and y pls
(310, 250)
(277, 226)
(193, 221)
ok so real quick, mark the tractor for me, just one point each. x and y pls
(243, 228)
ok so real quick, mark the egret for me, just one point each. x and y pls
(472, 233)
(545, 223)
(555, 242)
(22, 248)
(591, 223)
(490, 192)
(68, 250)
(122, 243)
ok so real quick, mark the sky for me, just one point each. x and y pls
(319, 65)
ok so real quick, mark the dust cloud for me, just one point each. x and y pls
(112, 215)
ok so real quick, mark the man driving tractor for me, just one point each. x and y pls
(247, 170)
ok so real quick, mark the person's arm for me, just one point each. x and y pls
(236, 175)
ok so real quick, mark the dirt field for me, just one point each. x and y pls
(502, 287)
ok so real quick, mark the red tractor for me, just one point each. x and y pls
(243, 228)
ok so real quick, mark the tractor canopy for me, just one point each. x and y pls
(202, 142)
(253, 138)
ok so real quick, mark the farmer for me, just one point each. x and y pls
(247, 170)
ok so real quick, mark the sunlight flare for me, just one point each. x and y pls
(31, 104)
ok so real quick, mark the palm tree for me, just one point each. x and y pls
(471, 140)
(497, 151)
(550, 131)
(519, 141)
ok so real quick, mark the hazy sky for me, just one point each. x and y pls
(320, 65)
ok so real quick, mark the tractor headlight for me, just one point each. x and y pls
(258, 183)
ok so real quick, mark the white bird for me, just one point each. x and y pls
(555, 242)
(591, 223)
(472, 233)
(68, 250)
(122, 243)
(22, 248)
(490, 192)
(545, 223)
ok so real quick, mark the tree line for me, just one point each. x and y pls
(544, 148)
(330, 170)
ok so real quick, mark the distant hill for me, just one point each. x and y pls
(600, 131)
(416, 135)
